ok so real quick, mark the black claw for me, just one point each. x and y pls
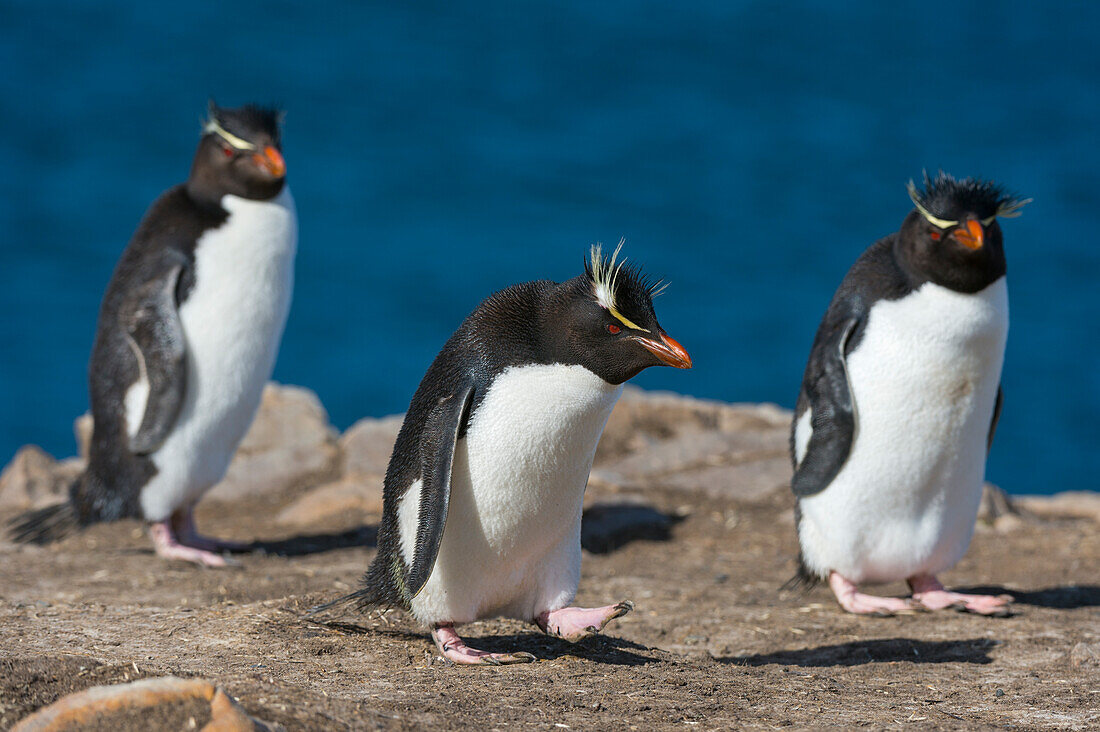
(622, 609)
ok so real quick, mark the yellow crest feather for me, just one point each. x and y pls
(604, 274)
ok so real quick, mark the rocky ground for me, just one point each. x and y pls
(688, 516)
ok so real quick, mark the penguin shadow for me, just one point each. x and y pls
(297, 546)
(1067, 597)
(881, 650)
(604, 649)
(607, 527)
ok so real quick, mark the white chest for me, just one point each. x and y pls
(512, 539)
(233, 321)
(924, 380)
(244, 276)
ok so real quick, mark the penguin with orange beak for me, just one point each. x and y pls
(899, 403)
(483, 495)
(186, 339)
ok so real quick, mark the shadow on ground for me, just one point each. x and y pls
(884, 650)
(599, 649)
(1069, 597)
(607, 527)
(297, 546)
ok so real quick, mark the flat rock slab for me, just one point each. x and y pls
(168, 702)
(1068, 504)
(349, 496)
(655, 439)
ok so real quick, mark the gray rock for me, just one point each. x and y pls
(367, 445)
(996, 504)
(350, 496)
(34, 479)
(82, 430)
(1068, 504)
(665, 440)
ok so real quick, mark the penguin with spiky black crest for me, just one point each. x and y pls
(483, 494)
(186, 339)
(900, 400)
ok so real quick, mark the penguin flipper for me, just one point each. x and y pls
(833, 415)
(996, 417)
(445, 423)
(151, 322)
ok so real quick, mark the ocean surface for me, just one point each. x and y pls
(747, 152)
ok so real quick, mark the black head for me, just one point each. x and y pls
(604, 321)
(952, 238)
(239, 154)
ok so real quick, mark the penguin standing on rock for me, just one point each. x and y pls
(483, 494)
(899, 403)
(187, 337)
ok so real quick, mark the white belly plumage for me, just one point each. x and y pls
(511, 546)
(233, 320)
(924, 382)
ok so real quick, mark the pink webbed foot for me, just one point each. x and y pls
(455, 649)
(928, 591)
(856, 602)
(183, 522)
(176, 538)
(577, 623)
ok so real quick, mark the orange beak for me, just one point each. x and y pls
(272, 161)
(668, 351)
(970, 237)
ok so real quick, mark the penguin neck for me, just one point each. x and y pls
(968, 275)
(202, 189)
(553, 339)
(204, 197)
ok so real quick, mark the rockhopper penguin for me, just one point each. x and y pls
(187, 336)
(484, 491)
(900, 400)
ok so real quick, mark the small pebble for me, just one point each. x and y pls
(999, 693)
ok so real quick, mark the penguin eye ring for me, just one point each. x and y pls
(613, 329)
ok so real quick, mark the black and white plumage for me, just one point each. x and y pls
(186, 338)
(900, 399)
(483, 495)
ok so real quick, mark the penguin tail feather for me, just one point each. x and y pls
(803, 581)
(374, 593)
(363, 599)
(44, 525)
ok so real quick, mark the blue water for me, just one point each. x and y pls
(748, 152)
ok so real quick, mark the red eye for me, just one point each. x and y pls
(935, 236)
(228, 151)
(613, 329)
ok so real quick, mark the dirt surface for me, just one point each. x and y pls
(714, 643)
